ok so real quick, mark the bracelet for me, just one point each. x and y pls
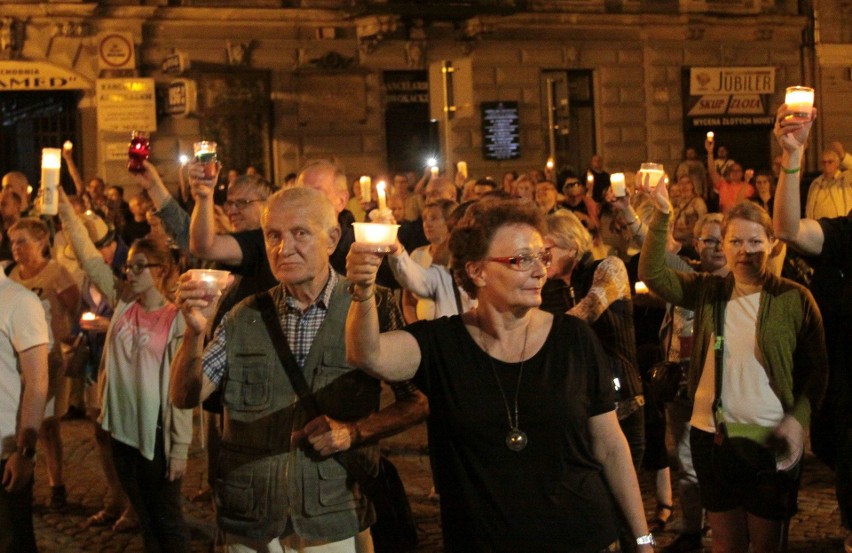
(647, 539)
(791, 171)
(355, 297)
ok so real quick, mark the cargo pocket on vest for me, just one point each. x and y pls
(331, 493)
(251, 499)
(249, 383)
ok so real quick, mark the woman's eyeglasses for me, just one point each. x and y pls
(524, 262)
(137, 268)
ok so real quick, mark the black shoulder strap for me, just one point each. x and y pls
(719, 347)
(288, 361)
(457, 294)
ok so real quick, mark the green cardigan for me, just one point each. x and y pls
(789, 325)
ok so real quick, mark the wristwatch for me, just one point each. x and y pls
(647, 539)
(27, 452)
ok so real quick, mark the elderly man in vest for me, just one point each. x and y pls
(279, 476)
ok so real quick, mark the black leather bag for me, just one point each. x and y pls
(664, 379)
(394, 530)
(75, 356)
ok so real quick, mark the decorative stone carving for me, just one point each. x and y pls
(472, 31)
(70, 29)
(11, 38)
(372, 30)
(333, 61)
(415, 48)
(239, 53)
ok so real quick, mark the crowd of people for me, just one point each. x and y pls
(502, 315)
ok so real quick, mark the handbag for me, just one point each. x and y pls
(665, 377)
(75, 356)
(394, 530)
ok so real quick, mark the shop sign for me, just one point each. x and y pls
(406, 87)
(29, 75)
(175, 64)
(182, 98)
(730, 97)
(126, 105)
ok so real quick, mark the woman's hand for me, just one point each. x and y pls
(362, 263)
(177, 468)
(659, 194)
(792, 436)
(792, 134)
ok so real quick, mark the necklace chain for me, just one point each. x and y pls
(516, 440)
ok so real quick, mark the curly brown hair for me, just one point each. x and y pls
(471, 237)
(159, 252)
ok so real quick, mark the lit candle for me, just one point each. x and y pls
(550, 163)
(434, 169)
(88, 316)
(590, 178)
(641, 288)
(711, 136)
(655, 172)
(51, 161)
(214, 279)
(382, 196)
(616, 181)
(68, 145)
(800, 99)
(462, 168)
(366, 184)
(377, 234)
(183, 159)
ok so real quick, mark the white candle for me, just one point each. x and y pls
(183, 159)
(550, 163)
(655, 172)
(366, 184)
(382, 196)
(434, 169)
(51, 161)
(68, 145)
(462, 168)
(377, 234)
(88, 316)
(710, 136)
(212, 278)
(800, 99)
(616, 181)
(590, 178)
(641, 288)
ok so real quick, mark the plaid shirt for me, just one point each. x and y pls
(301, 328)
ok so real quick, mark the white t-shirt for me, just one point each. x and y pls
(22, 325)
(747, 396)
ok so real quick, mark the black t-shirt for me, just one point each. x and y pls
(832, 289)
(551, 496)
(253, 275)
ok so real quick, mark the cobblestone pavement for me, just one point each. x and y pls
(815, 530)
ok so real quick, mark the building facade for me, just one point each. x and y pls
(384, 85)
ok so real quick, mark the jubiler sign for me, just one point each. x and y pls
(729, 96)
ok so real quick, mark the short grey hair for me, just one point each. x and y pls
(316, 203)
(566, 231)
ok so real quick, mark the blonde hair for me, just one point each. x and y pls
(568, 232)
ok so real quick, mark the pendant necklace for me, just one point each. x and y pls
(516, 439)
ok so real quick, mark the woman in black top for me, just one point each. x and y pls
(525, 444)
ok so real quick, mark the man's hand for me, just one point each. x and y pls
(18, 473)
(177, 468)
(195, 302)
(149, 177)
(326, 435)
(200, 185)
